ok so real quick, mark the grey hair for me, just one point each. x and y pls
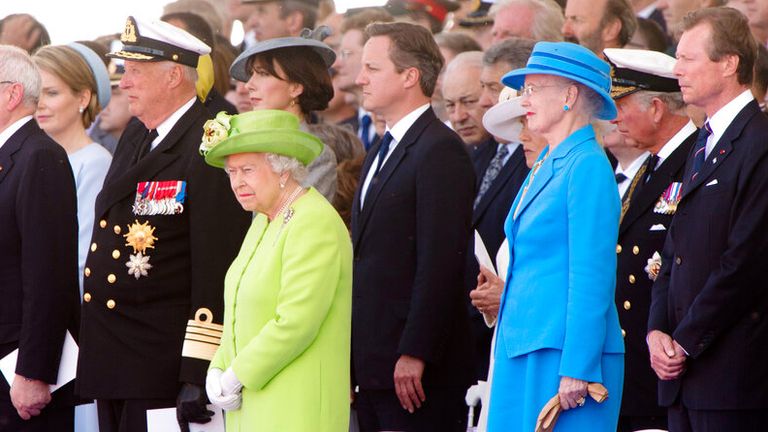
(548, 17)
(281, 164)
(514, 52)
(592, 102)
(674, 101)
(190, 73)
(17, 66)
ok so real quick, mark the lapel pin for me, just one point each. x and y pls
(722, 151)
(714, 161)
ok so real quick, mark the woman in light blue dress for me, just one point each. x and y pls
(558, 328)
(75, 87)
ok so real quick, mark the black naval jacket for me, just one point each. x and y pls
(134, 330)
(38, 258)
(637, 243)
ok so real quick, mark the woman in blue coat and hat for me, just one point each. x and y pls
(558, 328)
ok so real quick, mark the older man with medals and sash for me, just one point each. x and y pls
(651, 113)
(153, 289)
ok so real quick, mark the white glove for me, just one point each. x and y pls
(229, 382)
(213, 388)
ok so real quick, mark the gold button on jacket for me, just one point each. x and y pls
(631, 279)
(618, 248)
(627, 305)
(111, 278)
(103, 223)
(635, 250)
(87, 297)
(111, 304)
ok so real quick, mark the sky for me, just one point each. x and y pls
(70, 20)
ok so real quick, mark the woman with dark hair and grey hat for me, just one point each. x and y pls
(291, 74)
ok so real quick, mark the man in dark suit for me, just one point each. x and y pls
(38, 257)
(167, 229)
(651, 115)
(707, 330)
(500, 170)
(410, 226)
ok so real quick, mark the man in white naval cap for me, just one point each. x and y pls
(167, 227)
(651, 114)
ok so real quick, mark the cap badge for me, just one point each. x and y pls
(129, 33)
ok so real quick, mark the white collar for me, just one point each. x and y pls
(400, 128)
(633, 167)
(720, 120)
(165, 127)
(362, 113)
(14, 127)
(675, 142)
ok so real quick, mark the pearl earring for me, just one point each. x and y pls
(80, 110)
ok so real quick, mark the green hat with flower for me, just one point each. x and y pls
(262, 131)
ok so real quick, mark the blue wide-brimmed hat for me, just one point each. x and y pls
(570, 61)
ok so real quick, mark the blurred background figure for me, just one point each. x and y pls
(478, 23)
(757, 13)
(23, 31)
(649, 36)
(599, 24)
(430, 14)
(540, 20)
(499, 59)
(114, 118)
(271, 19)
(450, 44)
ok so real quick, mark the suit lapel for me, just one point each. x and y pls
(660, 180)
(514, 163)
(722, 149)
(124, 184)
(13, 145)
(389, 167)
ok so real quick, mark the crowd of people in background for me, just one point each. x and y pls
(549, 211)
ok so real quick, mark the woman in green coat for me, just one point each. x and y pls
(283, 363)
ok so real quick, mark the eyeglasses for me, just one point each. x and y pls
(530, 89)
(8, 82)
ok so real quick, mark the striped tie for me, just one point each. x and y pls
(700, 149)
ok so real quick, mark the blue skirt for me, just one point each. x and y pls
(523, 385)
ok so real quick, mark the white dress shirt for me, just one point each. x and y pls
(723, 118)
(13, 128)
(630, 172)
(397, 131)
(165, 127)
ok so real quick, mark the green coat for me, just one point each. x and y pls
(287, 322)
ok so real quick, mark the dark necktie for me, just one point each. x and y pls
(145, 146)
(494, 167)
(365, 131)
(650, 166)
(383, 150)
(699, 152)
(620, 177)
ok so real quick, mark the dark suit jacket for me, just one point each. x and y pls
(410, 241)
(38, 256)
(133, 349)
(488, 219)
(711, 295)
(637, 243)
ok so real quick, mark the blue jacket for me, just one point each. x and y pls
(560, 288)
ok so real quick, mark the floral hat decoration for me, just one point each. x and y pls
(262, 131)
